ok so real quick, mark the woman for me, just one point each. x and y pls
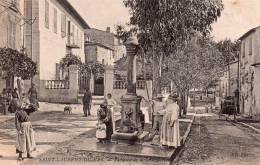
(33, 95)
(110, 104)
(170, 133)
(4, 101)
(104, 116)
(25, 136)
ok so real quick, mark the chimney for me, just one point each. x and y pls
(108, 29)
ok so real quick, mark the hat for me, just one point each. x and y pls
(174, 97)
(103, 105)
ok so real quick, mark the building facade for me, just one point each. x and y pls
(58, 29)
(228, 83)
(97, 52)
(250, 73)
(106, 38)
(11, 32)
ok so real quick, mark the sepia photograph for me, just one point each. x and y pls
(129, 82)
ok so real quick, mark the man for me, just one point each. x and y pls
(158, 106)
(87, 100)
(33, 95)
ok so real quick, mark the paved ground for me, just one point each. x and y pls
(217, 141)
(51, 125)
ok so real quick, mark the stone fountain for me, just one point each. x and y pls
(130, 125)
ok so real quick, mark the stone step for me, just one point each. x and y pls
(96, 100)
(142, 136)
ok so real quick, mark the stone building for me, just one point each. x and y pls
(11, 32)
(228, 83)
(106, 38)
(103, 47)
(250, 73)
(58, 30)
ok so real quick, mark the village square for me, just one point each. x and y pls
(129, 82)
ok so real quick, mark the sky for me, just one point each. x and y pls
(238, 16)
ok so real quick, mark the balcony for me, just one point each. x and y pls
(71, 43)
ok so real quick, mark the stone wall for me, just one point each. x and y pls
(61, 94)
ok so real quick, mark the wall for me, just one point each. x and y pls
(90, 53)
(249, 75)
(5, 18)
(118, 93)
(53, 45)
(106, 55)
(61, 95)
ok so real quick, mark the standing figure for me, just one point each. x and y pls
(104, 116)
(25, 135)
(4, 101)
(110, 104)
(15, 94)
(87, 100)
(170, 133)
(14, 100)
(33, 95)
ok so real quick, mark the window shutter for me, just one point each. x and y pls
(55, 20)
(46, 14)
(63, 25)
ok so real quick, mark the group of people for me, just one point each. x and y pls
(167, 127)
(9, 98)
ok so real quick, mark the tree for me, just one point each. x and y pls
(70, 59)
(163, 26)
(16, 64)
(197, 65)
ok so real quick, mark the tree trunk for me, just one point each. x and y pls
(156, 74)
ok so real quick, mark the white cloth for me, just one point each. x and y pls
(25, 142)
(170, 131)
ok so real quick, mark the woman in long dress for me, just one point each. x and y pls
(104, 116)
(25, 135)
(170, 133)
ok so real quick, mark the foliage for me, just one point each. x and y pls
(70, 59)
(169, 23)
(229, 50)
(198, 65)
(165, 26)
(92, 68)
(14, 63)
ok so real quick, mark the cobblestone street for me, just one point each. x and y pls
(217, 141)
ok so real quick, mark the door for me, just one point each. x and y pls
(99, 86)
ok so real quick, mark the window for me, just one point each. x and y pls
(63, 25)
(11, 34)
(250, 46)
(55, 20)
(46, 14)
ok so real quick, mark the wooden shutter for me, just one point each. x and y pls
(55, 20)
(46, 14)
(63, 25)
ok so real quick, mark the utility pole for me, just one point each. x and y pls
(228, 60)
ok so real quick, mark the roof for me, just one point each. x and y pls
(248, 33)
(88, 43)
(74, 13)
